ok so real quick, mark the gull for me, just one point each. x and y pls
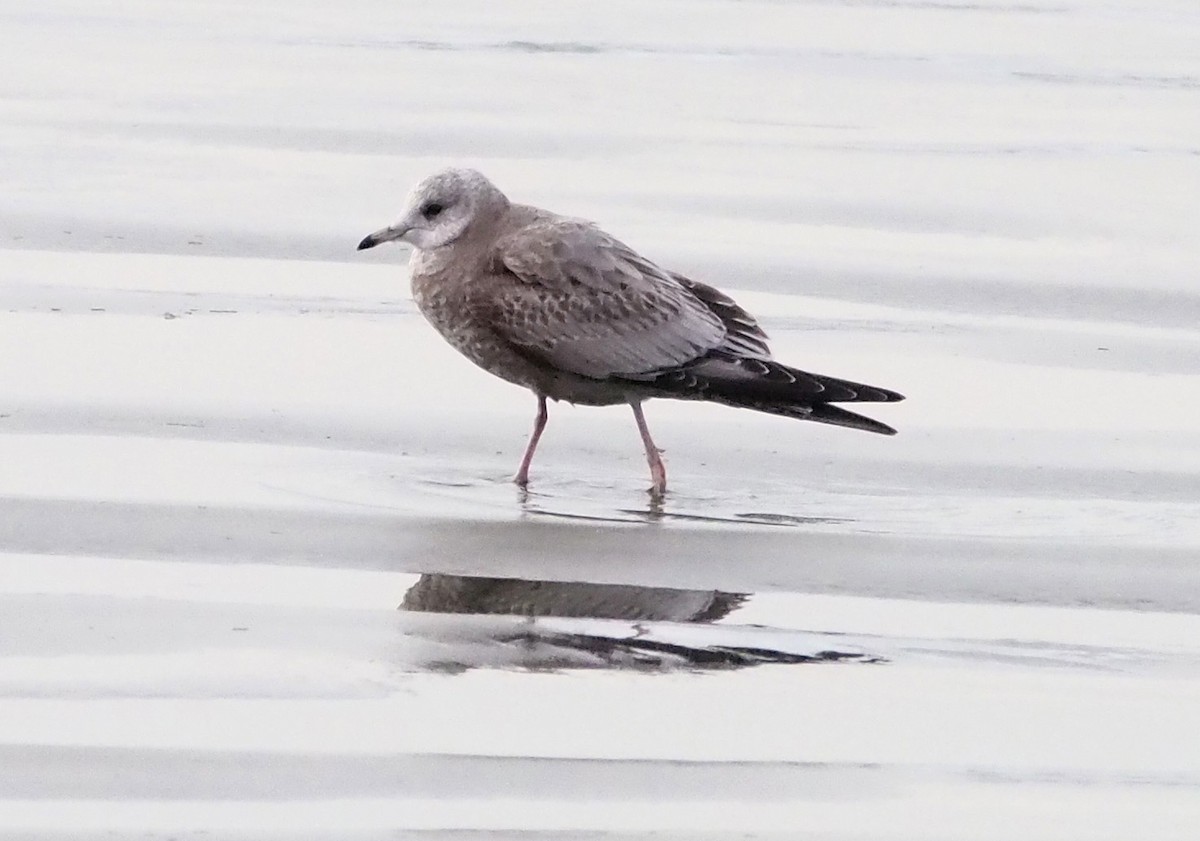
(556, 305)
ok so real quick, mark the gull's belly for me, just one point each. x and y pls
(474, 339)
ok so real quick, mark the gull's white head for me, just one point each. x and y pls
(440, 210)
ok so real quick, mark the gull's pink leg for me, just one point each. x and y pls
(658, 470)
(522, 477)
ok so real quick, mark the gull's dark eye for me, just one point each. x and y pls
(431, 210)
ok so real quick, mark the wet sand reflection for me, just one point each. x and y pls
(572, 624)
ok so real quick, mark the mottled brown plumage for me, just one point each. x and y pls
(562, 308)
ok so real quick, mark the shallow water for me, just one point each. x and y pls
(230, 449)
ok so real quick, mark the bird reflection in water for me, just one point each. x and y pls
(571, 624)
(521, 597)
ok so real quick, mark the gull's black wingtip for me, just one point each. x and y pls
(369, 241)
(828, 413)
(874, 394)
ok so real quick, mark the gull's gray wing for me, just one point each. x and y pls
(743, 335)
(579, 300)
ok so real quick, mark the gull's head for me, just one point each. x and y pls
(440, 209)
